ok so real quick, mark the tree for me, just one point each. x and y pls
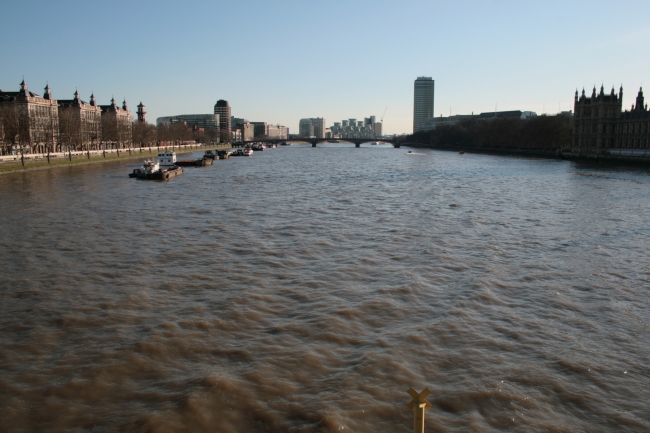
(69, 129)
(15, 127)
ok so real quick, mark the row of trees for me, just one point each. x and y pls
(543, 133)
(41, 134)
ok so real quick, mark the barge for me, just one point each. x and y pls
(164, 168)
(202, 162)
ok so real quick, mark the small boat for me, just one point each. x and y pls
(247, 151)
(224, 154)
(209, 154)
(374, 143)
(332, 141)
(462, 152)
(257, 147)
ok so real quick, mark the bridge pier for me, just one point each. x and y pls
(357, 144)
(313, 143)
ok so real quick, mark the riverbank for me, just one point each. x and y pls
(606, 159)
(95, 157)
(486, 150)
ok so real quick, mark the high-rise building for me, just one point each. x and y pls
(422, 101)
(223, 110)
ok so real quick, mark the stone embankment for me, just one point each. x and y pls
(39, 161)
(622, 158)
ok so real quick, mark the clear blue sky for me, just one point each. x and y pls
(281, 61)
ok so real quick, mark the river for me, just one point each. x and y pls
(305, 290)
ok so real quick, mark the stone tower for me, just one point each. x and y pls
(141, 112)
(595, 121)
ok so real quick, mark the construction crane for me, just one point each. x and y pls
(382, 116)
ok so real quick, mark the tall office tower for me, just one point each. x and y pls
(422, 101)
(223, 110)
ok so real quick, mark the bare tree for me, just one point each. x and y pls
(69, 130)
(15, 127)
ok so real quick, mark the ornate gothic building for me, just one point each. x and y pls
(601, 127)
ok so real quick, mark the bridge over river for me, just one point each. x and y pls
(314, 141)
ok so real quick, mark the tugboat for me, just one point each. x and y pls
(148, 167)
(151, 170)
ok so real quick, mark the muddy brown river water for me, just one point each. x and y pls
(305, 290)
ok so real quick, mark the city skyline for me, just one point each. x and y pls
(529, 57)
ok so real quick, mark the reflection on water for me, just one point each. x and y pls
(307, 289)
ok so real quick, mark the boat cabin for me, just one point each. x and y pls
(167, 158)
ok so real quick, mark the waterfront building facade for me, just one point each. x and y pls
(28, 122)
(80, 123)
(116, 124)
(512, 114)
(376, 126)
(433, 123)
(235, 120)
(264, 130)
(222, 108)
(247, 131)
(277, 132)
(601, 127)
(353, 128)
(423, 100)
(192, 120)
(312, 127)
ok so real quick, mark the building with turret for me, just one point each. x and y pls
(80, 122)
(601, 127)
(595, 121)
(141, 113)
(116, 124)
(28, 121)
